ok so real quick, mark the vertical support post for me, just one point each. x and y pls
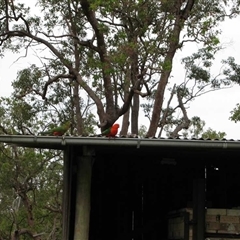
(67, 193)
(198, 209)
(83, 195)
(186, 225)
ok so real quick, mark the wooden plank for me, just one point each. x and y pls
(212, 226)
(212, 218)
(216, 211)
(233, 212)
(198, 209)
(229, 219)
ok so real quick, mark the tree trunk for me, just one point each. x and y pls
(157, 107)
(125, 119)
(173, 46)
(76, 101)
(125, 124)
(134, 115)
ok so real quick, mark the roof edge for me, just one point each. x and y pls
(53, 142)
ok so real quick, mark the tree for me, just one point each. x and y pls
(235, 113)
(196, 130)
(198, 81)
(233, 73)
(195, 127)
(30, 180)
(111, 52)
(212, 134)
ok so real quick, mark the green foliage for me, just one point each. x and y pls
(212, 134)
(232, 73)
(196, 128)
(32, 195)
(90, 124)
(28, 78)
(17, 116)
(142, 131)
(199, 74)
(167, 66)
(235, 114)
(232, 70)
(30, 179)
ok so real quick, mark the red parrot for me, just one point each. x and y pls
(112, 131)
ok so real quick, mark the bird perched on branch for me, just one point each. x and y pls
(58, 131)
(112, 131)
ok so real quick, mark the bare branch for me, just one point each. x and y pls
(52, 80)
(186, 11)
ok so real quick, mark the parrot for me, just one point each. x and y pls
(112, 131)
(58, 131)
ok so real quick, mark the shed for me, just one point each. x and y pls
(137, 184)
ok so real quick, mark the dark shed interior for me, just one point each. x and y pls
(133, 191)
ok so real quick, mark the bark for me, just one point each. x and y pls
(185, 121)
(125, 124)
(133, 39)
(134, 77)
(76, 98)
(135, 114)
(126, 116)
(76, 101)
(166, 113)
(102, 51)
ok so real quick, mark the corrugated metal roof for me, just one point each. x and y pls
(53, 142)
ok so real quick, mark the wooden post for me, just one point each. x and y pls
(83, 195)
(67, 193)
(199, 209)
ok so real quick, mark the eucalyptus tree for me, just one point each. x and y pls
(30, 180)
(198, 80)
(111, 53)
(195, 130)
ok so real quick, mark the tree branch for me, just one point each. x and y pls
(134, 89)
(52, 80)
(186, 11)
(165, 114)
(90, 14)
(185, 121)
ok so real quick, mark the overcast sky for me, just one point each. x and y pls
(213, 108)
